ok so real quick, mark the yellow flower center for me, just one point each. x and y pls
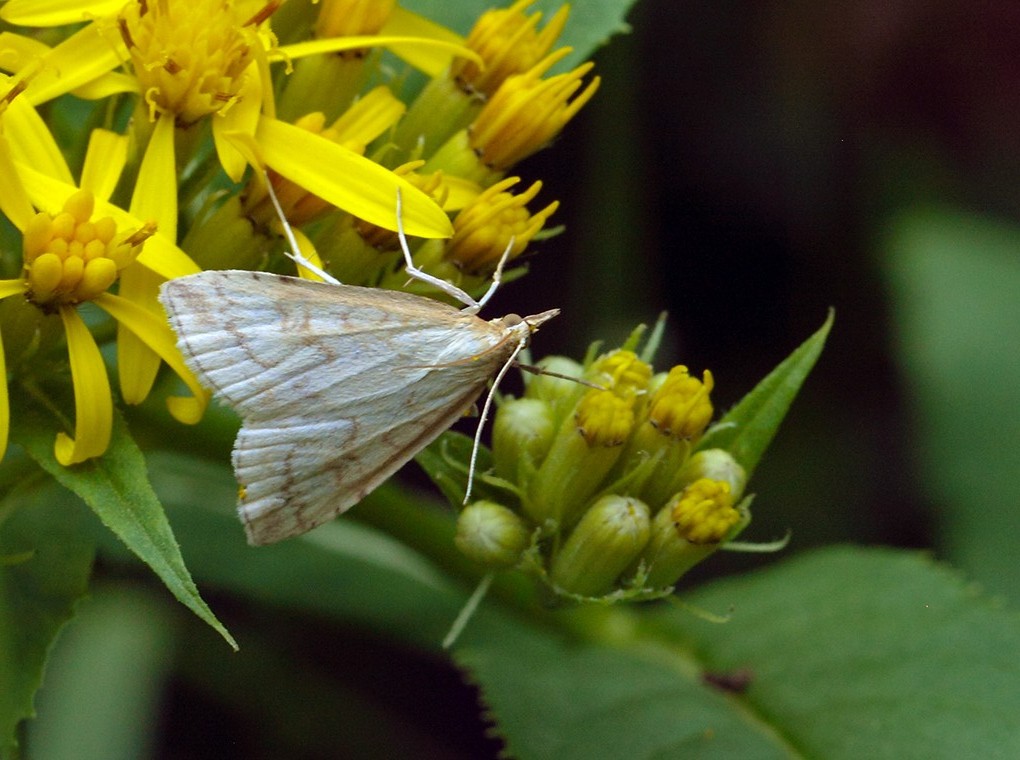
(681, 407)
(527, 112)
(189, 56)
(484, 228)
(604, 419)
(70, 258)
(704, 512)
(623, 372)
(509, 43)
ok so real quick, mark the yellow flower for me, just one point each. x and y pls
(508, 42)
(210, 59)
(704, 513)
(484, 228)
(527, 112)
(72, 256)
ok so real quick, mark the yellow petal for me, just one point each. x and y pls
(431, 60)
(31, 141)
(137, 363)
(348, 181)
(242, 118)
(156, 333)
(308, 251)
(104, 161)
(93, 408)
(155, 195)
(14, 200)
(432, 55)
(85, 55)
(111, 83)
(11, 288)
(57, 12)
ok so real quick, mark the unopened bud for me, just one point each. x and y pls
(521, 436)
(491, 534)
(604, 543)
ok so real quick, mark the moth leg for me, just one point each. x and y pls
(295, 254)
(471, 305)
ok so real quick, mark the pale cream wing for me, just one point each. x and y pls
(337, 386)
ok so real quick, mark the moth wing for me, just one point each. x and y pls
(337, 386)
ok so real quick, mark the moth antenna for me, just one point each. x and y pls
(485, 415)
(468, 610)
(536, 370)
(296, 256)
(471, 306)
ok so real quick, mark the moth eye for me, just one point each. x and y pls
(510, 320)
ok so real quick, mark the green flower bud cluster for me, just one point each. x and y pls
(605, 494)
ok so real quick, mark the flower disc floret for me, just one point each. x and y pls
(189, 57)
(69, 258)
(509, 43)
(604, 419)
(704, 511)
(681, 407)
(484, 228)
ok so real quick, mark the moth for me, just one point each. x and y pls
(337, 386)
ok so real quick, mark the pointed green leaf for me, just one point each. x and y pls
(748, 428)
(842, 653)
(116, 487)
(45, 561)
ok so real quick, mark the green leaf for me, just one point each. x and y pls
(445, 461)
(589, 26)
(342, 569)
(955, 279)
(845, 653)
(116, 487)
(748, 428)
(48, 553)
(106, 677)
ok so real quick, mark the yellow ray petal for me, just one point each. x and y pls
(57, 12)
(154, 199)
(85, 55)
(431, 60)
(93, 408)
(242, 118)
(31, 141)
(104, 160)
(447, 49)
(14, 200)
(347, 180)
(156, 333)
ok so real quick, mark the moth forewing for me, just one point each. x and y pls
(337, 386)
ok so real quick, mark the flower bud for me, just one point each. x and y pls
(521, 436)
(668, 555)
(714, 464)
(704, 513)
(604, 543)
(491, 534)
(584, 450)
(561, 394)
